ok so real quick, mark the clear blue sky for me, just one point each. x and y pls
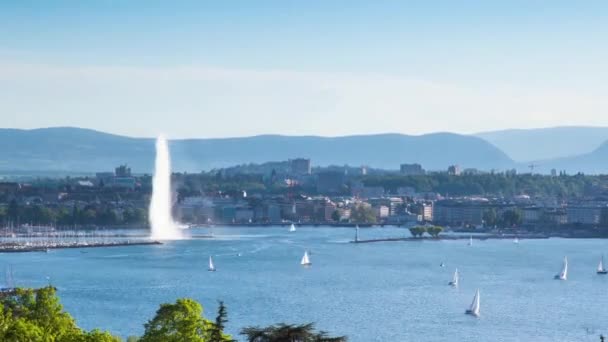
(234, 68)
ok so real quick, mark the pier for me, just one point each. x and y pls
(452, 237)
(17, 248)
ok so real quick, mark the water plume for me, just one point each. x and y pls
(161, 220)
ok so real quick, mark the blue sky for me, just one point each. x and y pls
(234, 68)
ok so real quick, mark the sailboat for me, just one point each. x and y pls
(357, 233)
(600, 267)
(292, 228)
(473, 310)
(563, 275)
(471, 240)
(454, 281)
(516, 240)
(305, 260)
(211, 265)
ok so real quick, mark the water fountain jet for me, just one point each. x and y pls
(161, 220)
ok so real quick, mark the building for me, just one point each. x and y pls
(122, 171)
(300, 166)
(584, 214)
(424, 210)
(381, 211)
(411, 169)
(531, 215)
(454, 170)
(460, 212)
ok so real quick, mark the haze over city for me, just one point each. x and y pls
(219, 69)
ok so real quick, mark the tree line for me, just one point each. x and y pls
(90, 214)
(28, 315)
(491, 184)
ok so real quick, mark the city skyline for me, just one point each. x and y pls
(216, 70)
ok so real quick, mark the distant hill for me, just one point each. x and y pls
(595, 162)
(75, 149)
(546, 143)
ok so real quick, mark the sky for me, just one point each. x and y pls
(240, 68)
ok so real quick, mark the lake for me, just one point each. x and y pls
(387, 291)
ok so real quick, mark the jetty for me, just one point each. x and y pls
(22, 248)
(450, 237)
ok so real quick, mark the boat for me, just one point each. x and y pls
(516, 240)
(454, 281)
(563, 275)
(211, 265)
(442, 265)
(600, 267)
(305, 260)
(473, 310)
(471, 240)
(292, 228)
(357, 233)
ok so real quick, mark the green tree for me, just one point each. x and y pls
(37, 316)
(335, 216)
(511, 217)
(179, 322)
(434, 231)
(288, 333)
(490, 217)
(417, 231)
(363, 214)
(217, 330)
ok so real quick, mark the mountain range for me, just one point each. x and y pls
(76, 149)
(71, 149)
(524, 145)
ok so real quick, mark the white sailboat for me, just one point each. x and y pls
(292, 228)
(357, 233)
(454, 281)
(563, 275)
(211, 265)
(305, 260)
(600, 267)
(516, 240)
(471, 240)
(473, 310)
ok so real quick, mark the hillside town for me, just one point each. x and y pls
(294, 191)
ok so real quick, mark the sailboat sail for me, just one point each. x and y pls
(600, 267)
(471, 240)
(305, 260)
(292, 228)
(474, 308)
(454, 281)
(563, 275)
(211, 265)
(475, 305)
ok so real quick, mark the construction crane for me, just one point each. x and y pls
(532, 166)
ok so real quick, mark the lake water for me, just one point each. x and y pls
(388, 291)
